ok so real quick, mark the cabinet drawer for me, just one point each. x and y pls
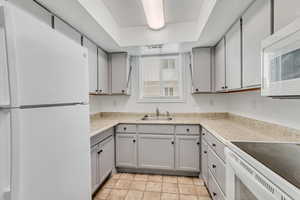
(214, 189)
(217, 168)
(187, 129)
(156, 129)
(216, 145)
(126, 128)
(204, 134)
(101, 136)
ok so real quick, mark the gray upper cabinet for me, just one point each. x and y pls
(103, 72)
(120, 73)
(256, 27)
(41, 13)
(201, 70)
(156, 151)
(220, 67)
(187, 153)
(126, 150)
(233, 57)
(285, 11)
(92, 59)
(67, 30)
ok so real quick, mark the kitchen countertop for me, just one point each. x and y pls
(226, 127)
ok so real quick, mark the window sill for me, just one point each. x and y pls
(152, 100)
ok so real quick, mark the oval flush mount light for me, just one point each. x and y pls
(154, 11)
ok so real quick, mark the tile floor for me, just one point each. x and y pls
(124, 186)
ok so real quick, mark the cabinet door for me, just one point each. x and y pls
(285, 12)
(204, 161)
(67, 30)
(187, 153)
(126, 147)
(119, 70)
(220, 69)
(94, 168)
(103, 72)
(201, 70)
(256, 27)
(156, 151)
(92, 61)
(106, 158)
(233, 57)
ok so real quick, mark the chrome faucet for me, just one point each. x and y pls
(157, 112)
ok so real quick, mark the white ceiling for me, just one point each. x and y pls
(130, 13)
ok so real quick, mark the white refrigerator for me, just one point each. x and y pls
(44, 117)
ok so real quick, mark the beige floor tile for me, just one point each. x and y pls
(170, 188)
(134, 195)
(123, 184)
(185, 180)
(152, 196)
(127, 176)
(116, 194)
(168, 196)
(170, 179)
(198, 181)
(187, 189)
(141, 177)
(155, 178)
(103, 194)
(153, 187)
(188, 197)
(116, 176)
(138, 185)
(201, 191)
(110, 183)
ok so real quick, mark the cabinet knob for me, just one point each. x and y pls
(214, 166)
(214, 145)
(214, 194)
(100, 91)
(203, 134)
(226, 87)
(198, 143)
(134, 141)
(100, 151)
(124, 128)
(205, 152)
(187, 130)
(197, 90)
(123, 91)
(172, 142)
(223, 87)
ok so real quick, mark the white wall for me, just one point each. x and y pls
(279, 111)
(192, 103)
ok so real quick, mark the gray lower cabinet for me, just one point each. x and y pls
(187, 153)
(156, 151)
(214, 189)
(204, 161)
(102, 161)
(126, 150)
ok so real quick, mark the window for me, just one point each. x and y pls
(160, 79)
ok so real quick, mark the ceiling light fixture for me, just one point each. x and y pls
(154, 11)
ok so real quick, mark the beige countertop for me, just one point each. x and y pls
(225, 126)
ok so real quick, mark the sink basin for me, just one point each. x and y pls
(161, 118)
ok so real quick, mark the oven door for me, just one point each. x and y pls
(245, 183)
(281, 62)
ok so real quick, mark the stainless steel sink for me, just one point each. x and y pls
(160, 118)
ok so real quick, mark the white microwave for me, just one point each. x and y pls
(281, 63)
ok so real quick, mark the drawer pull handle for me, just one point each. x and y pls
(134, 141)
(214, 194)
(214, 145)
(214, 166)
(100, 151)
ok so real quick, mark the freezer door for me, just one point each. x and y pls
(53, 158)
(4, 90)
(5, 133)
(45, 66)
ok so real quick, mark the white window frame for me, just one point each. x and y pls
(161, 99)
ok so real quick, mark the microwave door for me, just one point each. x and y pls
(4, 86)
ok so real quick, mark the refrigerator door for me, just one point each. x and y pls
(4, 89)
(5, 152)
(51, 158)
(45, 67)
